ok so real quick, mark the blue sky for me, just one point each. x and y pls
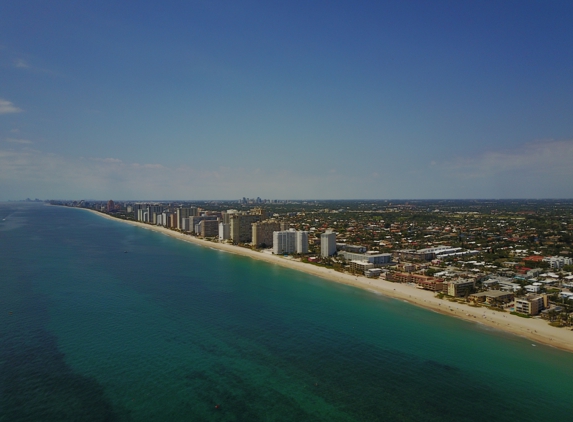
(322, 99)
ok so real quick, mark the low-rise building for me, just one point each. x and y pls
(422, 281)
(531, 304)
(459, 288)
(373, 272)
(491, 297)
(360, 267)
(373, 257)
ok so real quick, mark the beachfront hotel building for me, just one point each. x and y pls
(241, 227)
(531, 304)
(491, 297)
(224, 231)
(373, 257)
(459, 288)
(284, 242)
(263, 232)
(207, 228)
(194, 221)
(181, 214)
(290, 241)
(301, 242)
(327, 244)
(360, 267)
(421, 281)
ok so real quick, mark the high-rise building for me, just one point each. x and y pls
(193, 221)
(224, 231)
(173, 220)
(241, 230)
(207, 228)
(165, 219)
(290, 241)
(284, 242)
(152, 212)
(327, 243)
(301, 242)
(181, 214)
(263, 232)
(136, 208)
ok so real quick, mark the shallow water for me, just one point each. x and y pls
(170, 330)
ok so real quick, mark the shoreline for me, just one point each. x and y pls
(534, 329)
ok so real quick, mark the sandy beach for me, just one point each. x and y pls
(535, 329)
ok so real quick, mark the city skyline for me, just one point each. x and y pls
(208, 101)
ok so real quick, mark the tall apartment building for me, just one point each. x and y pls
(226, 216)
(136, 208)
(224, 231)
(327, 243)
(241, 230)
(207, 228)
(301, 242)
(290, 241)
(152, 212)
(263, 232)
(165, 219)
(284, 242)
(194, 220)
(181, 214)
(173, 220)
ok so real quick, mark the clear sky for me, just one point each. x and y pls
(286, 99)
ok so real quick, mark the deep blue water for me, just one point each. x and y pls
(170, 330)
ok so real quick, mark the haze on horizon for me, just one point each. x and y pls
(220, 100)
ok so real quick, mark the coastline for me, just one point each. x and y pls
(534, 329)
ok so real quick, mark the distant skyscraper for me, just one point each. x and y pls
(110, 206)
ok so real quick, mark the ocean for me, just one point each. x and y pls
(104, 321)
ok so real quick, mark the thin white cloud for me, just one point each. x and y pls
(21, 64)
(7, 107)
(541, 156)
(536, 170)
(19, 141)
(110, 160)
(46, 175)
(541, 169)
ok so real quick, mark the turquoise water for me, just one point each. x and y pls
(170, 330)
